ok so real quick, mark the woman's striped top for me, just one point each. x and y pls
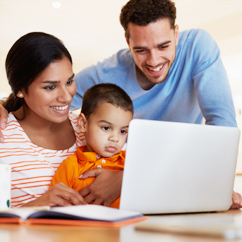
(32, 167)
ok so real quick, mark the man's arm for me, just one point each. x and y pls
(213, 90)
(211, 82)
(236, 201)
(107, 188)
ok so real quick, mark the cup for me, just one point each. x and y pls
(5, 186)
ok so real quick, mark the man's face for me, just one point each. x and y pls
(154, 49)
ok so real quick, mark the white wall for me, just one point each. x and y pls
(91, 31)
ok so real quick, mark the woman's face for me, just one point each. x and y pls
(50, 94)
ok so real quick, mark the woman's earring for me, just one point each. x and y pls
(20, 95)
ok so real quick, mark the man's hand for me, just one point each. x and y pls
(106, 187)
(236, 201)
(3, 120)
(58, 195)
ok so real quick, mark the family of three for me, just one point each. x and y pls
(58, 159)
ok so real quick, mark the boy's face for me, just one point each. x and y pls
(106, 129)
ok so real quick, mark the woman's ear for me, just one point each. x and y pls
(82, 122)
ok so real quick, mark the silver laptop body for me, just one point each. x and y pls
(175, 167)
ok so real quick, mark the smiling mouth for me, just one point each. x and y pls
(155, 69)
(60, 108)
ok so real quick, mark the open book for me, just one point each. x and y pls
(82, 215)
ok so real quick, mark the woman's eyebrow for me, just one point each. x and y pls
(53, 82)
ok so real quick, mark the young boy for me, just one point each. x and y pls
(105, 116)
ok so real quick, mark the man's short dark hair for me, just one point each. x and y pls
(143, 12)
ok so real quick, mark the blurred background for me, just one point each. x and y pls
(91, 31)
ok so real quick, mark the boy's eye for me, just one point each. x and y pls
(123, 131)
(106, 128)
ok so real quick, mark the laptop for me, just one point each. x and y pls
(173, 167)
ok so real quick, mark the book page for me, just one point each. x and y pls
(22, 213)
(87, 212)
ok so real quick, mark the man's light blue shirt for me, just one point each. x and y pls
(197, 85)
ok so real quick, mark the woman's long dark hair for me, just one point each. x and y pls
(26, 60)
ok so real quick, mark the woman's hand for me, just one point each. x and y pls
(3, 120)
(58, 195)
(106, 187)
(236, 201)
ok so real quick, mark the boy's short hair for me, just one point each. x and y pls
(143, 12)
(105, 92)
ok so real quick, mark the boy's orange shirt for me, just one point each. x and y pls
(71, 168)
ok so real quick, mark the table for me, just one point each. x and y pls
(37, 233)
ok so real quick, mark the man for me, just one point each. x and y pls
(170, 76)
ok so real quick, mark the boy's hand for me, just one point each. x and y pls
(3, 119)
(106, 187)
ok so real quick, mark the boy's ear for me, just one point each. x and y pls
(82, 122)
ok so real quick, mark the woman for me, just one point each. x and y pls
(40, 131)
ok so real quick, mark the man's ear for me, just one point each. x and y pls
(82, 122)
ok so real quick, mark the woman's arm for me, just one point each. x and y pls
(3, 119)
(58, 195)
(106, 187)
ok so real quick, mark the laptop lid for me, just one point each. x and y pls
(175, 167)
